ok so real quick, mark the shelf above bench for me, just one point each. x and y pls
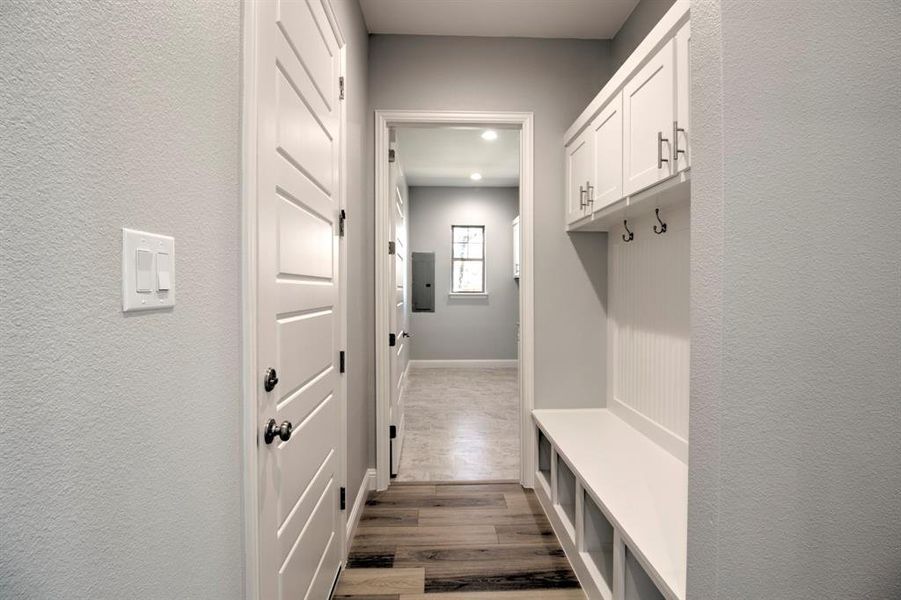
(641, 488)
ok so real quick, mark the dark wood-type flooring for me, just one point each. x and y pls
(475, 541)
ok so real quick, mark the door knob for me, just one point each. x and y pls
(270, 379)
(274, 430)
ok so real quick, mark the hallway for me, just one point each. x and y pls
(462, 424)
(474, 541)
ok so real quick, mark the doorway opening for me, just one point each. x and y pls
(453, 297)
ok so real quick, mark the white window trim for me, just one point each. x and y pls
(483, 260)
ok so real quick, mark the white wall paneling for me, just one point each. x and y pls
(648, 324)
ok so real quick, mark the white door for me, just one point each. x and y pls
(607, 128)
(648, 112)
(399, 353)
(579, 168)
(682, 147)
(298, 309)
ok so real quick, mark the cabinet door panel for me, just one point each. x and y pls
(648, 113)
(683, 96)
(579, 167)
(607, 129)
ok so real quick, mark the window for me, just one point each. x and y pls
(468, 259)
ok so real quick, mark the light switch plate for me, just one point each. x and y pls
(134, 245)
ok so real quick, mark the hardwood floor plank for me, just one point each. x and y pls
(543, 580)
(424, 536)
(559, 594)
(389, 517)
(524, 501)
(453, 489)
(427, 501)
(497, 561)
(529, 533)
(372, 558)
(448, 517)
(407, 488)
(360, 582)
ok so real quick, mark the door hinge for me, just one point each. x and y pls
(341, 88)
(391, 155)
(343, 500)
(392, 431)
(342, 216)
(392, 248)
(341, 362)
(392, 340)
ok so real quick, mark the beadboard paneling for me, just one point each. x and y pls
(649, 321)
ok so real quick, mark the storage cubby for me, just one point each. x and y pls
(636, 583)
(597, 540)
(544, 458)
(566, 494)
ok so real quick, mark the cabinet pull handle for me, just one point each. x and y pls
(590, 189)
(582, 193)
(676, 131)
(660, 159)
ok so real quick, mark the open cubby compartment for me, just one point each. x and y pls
(545, 450)
(566, 494)
(637, 585)
(597, 542)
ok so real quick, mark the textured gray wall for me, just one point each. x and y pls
(795, 455)
(555, 79)
(644, 17)
(120, 460)
(466, 328)
(360, 265)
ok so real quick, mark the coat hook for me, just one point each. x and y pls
(662, 228)
(631, 236)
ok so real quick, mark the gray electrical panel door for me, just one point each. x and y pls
(423, 282)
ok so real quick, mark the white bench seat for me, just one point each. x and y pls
(642, 488)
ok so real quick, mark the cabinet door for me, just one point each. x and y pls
(579, 166)
(607, 130)
(648, 114)
(682, 149)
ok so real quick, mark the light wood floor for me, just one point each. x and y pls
(488, 541)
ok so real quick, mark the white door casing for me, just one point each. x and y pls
(399, 321)
(298, 311)
(385, 120)
(648, 114)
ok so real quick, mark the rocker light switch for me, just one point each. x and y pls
(162, 272)
(143, 271)
(148, 270)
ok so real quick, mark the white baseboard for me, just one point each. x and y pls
(462, 364)
(356, 511)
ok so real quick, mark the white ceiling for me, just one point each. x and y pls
(447, 156)
(581, 19)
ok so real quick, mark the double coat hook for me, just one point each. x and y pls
(662, 228)
(630, 236)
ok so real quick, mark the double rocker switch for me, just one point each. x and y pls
(148, 278)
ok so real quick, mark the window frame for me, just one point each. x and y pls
(483, 260)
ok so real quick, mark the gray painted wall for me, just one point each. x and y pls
(555, 79)
(644, 17)
(360, 264)
(120, 458)
(466, 328)
(795, 457)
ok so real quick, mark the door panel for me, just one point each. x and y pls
(579, 167)
(400, 353)
(648, 111)
(298, 308)
(608, 152)
(683, 96)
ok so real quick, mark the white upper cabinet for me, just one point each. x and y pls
(648, 114)
(635, 134)
(579, 172)
(607, 131)
(682, 140)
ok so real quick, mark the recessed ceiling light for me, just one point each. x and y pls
(489, 135)
(476, 176)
